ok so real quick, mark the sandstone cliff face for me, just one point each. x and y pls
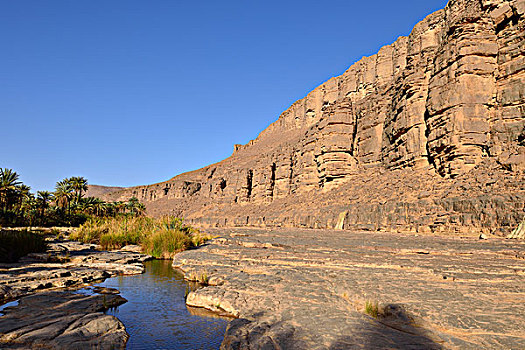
(447, 100)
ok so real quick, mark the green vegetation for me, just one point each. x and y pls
(66, 206)
(110, 224)
(204, 280)
(161, 238)
(372, 308)
(15, 244)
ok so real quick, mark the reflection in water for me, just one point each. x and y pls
(156, 316)
(9, 304)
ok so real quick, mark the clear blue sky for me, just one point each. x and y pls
(129, 92)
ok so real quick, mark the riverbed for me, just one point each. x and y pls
(309, 289)
(40, 292)
(156, 315)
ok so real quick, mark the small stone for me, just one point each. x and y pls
(105, 290)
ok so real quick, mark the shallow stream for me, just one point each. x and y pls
(156, 316)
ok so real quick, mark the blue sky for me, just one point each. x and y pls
(129, 92)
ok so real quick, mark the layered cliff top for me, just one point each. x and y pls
(439, 109)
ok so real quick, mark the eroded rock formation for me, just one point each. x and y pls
(64, 319)
(296, 289)
(444, 106)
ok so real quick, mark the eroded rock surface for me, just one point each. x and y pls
(307, 289)
(442, 108)
(66, 264)
(63, 320)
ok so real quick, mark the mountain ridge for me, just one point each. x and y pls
(439, 104)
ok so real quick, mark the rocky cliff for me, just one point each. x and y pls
(100, 191)
(428, 134)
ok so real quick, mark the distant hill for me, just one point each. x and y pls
(98, 191)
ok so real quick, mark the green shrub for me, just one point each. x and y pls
(204, 280)
(16, 244)
(161, 238)
(53, 217)
(165, 242)
(372, 308)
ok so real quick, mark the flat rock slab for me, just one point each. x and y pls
(66, 264)
(308, 289)
(65, 319)
(62, 320)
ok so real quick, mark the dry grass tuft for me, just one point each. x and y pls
(372, 308)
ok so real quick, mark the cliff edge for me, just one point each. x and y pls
(426, 135)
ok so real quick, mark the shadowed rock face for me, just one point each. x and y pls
(441, 107)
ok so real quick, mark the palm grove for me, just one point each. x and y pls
(66, 206)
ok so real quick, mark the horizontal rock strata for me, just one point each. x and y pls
(64, 319)
(65, 264)
(308, 289)
(440, 108)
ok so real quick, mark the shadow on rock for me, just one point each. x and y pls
(394, 328)
(245, 334)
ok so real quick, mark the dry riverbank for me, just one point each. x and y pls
(308, 289)
(48, 316)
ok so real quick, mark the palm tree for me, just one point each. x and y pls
(28, 203)
(119, 207)
(109, 209)
(22, 193)
(64, 193)
(132, 205)
(43, 198)
(79, 185)
(8, 183)
(93, 205)
(141, 209)
(99, 206)
(84, 204)
(8, 178)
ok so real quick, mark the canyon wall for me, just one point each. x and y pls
(445, 104)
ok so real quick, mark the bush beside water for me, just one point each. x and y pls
(161, 238)
(16, 244)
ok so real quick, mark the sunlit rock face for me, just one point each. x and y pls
(445, 106)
